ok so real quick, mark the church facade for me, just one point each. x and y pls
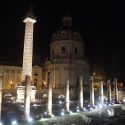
(67, 56)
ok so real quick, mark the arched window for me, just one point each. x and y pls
(63, 34)
(35, 74)
(75, 35)
(63, 50)
(76, 50)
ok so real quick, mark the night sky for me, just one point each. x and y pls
(102, 25)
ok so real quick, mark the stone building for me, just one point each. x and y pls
(66, 61)
(12, 75)
(67, 56)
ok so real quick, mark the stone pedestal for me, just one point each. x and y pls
(21, 93)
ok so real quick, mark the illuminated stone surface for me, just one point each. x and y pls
(49, 105)
(21, 93)
(67, 56)
(81, 93)
(67, 96)
(101, 92)
(28, 47)
(27, 60)
(91, 91)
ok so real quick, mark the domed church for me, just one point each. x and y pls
(67, 56)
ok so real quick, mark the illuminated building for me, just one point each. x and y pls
(66, 61)
(67, 56)
(12, 75)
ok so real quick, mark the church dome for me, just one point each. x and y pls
(67, 32)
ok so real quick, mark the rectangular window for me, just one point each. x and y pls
(63, 50)
(76, 50)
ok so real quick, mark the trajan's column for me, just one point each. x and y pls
(28, 44)
(27, 59)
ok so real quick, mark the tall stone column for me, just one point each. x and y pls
(67, 96)
(28, 45)
(109, 91)
(81, 93)
(91, 91)
(1, 82)
(29, 20)
(49, 105)
(27, 96)
(54, 72)
(101, 92)
(116, 90)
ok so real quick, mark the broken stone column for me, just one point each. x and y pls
(49, 105)
(67, 96)
(101, 92)
(109, 91)
(81, 93)
(116, 90)
(27, 96)
(91, 91)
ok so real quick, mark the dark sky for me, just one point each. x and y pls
(102, 25)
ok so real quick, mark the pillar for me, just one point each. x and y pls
(109, 91)
(54, 78)
(29, 20)
(91, 91)
(81, 93)
(1, 82)
(67, 96)
(27, 96)
(28, 45)
(101, 92)
(49, 105)
(116, 90)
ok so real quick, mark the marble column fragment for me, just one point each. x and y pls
(81, 93)
(67, 96)
(109, 91)
(101, 92)
(49, 105)
(116, 90)
(91, 91)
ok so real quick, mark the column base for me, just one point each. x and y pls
(48, 116)
(81, 109)
(67, 112)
